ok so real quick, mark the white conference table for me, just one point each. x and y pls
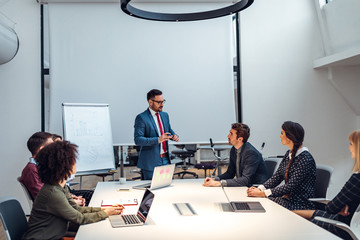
(211, 221)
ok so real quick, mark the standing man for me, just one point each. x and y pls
(246, 163)
(152, 133)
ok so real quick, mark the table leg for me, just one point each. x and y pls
(121, 162)
(219, 166)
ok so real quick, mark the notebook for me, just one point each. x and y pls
(127, 220)
(125, 202)
(162, 177)
(244, 206)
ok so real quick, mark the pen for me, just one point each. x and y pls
(123, 189)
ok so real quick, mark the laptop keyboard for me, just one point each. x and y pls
(242, 206)
(130, 219)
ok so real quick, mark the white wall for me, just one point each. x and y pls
(19, 96)
(346, 81)
(340, 26)
(340, 17)
(280, 40)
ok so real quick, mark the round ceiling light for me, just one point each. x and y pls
(180, 17)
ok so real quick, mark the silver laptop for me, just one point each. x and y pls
(244, 206)
(127, 220)
(162, 177)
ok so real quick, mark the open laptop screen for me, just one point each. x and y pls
(145, 205)
(162, 177)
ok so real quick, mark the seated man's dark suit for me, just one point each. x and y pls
(252, 168)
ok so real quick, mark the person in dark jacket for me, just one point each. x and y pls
(246, 166)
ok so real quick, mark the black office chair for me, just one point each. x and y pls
(189, 152)
(132, 158)
(28, 195)
(206, 166)
(13, 217)
(353, 230)
(272, 164)
(4, 233)
(132, 155)
(323, 176)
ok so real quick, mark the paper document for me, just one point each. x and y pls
(125, 202)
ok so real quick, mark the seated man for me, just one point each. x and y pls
(246, 163)
(29, 176)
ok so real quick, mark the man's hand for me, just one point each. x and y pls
(165, 137)
(175, 138)
(211, 182)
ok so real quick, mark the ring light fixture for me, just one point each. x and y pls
(181, 17)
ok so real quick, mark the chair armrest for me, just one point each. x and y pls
(320, 200)
(338, 224)
(331, 221)
(320, 203)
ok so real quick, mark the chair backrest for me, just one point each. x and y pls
(355, 223)
(323, 175)
(27, 193)
(116, 155)
(133, 155)
(191, 147)
(13, 216)
(272, 164)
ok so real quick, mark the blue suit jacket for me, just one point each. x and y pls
(146, 136)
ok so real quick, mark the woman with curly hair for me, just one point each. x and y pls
(297, 169)
(53, 207)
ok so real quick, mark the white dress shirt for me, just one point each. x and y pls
(157, 126)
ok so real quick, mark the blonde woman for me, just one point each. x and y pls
(343, 206)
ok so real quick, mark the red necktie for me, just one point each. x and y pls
(161, 131)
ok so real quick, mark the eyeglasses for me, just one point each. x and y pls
(159, 102)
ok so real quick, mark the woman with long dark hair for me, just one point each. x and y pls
(297, 169)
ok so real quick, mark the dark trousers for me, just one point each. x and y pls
(87, 194)
(148, 174)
